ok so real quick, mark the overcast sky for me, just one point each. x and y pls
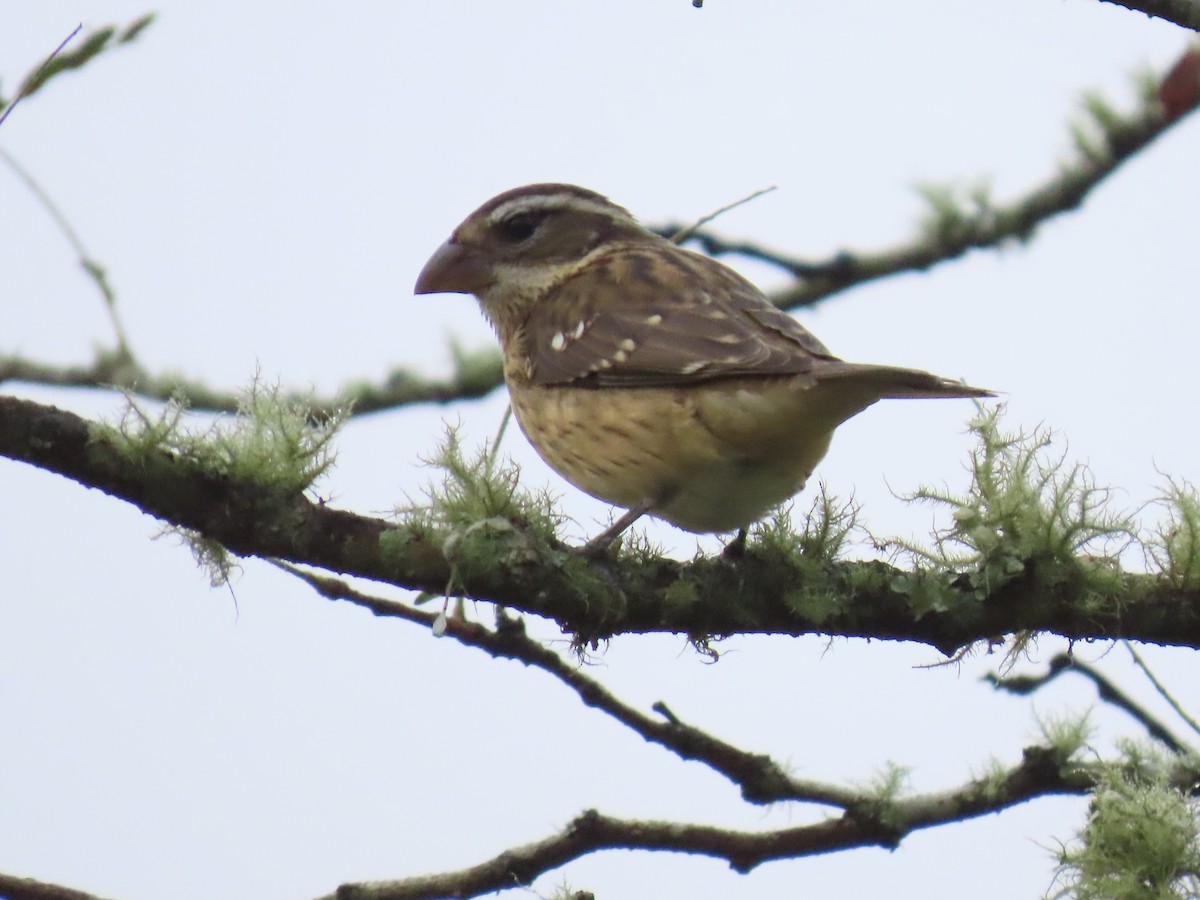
(264, 181)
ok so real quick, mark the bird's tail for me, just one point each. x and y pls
(891, 383)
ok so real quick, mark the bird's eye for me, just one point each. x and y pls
(519, 227)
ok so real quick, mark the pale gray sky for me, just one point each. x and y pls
(263, 182)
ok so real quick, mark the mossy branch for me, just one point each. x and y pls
(1024, 509)
(476, 374)
(521, 566)
(960, 218)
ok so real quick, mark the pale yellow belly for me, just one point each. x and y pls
(710, 460)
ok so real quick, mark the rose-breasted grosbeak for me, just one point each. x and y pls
(649, 376)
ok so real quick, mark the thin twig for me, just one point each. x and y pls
(685, 233)
(1161, 688)
(1108, 691)
(494, 450)
(761, 779)
(95, 271)
(30, 83)
(958, 227)
(92, 45)
(1041, 772)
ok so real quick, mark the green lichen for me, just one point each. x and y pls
(477, 511)
(882, 793)
(271, 441)
(1066, 735)
(478, 490)
(271, 444)
(808, 550)
(1140, 841)
(1173, 547)
(1026, 514)
(821, 536)
(956, 215)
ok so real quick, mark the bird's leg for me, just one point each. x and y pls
(736, 548)
(601, 542)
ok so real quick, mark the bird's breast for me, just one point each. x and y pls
(708, 458)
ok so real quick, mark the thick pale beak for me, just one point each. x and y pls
(454, 269)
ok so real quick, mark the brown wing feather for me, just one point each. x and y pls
(659, 316)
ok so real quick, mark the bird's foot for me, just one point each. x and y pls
(598, 546)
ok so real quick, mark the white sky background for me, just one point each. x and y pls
(264, 182)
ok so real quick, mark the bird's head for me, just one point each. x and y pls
(519, 244)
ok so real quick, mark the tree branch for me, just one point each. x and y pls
(1184, 13)
(703, 599)
(1108, 691)
(1042, 772)
(13, 888)
(476, 375)
(972, 223)
(760, 778)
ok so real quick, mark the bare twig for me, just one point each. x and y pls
(33, 81)
(122, 355)
(685, 233)
(91, 46)
(1042, 772)
(1161, 688)
(760, 778)
(1109, 693)
(56, 63)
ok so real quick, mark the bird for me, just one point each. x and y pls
(647, 375)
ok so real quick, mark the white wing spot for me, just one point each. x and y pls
(620, 356)
(578, 332)
(603, 364)
(628, 345)
(558, 342)
(729, 339)
(693, 367)
(655, 319)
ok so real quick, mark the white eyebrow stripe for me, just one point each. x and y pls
(559, 200)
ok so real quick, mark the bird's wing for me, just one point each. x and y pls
(642, 317)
